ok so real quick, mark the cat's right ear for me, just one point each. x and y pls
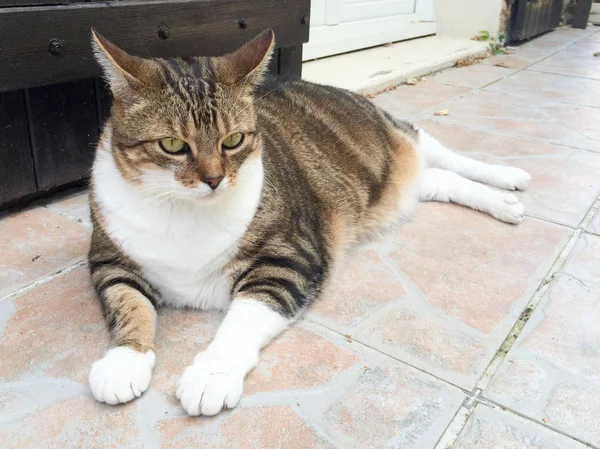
(123, 72)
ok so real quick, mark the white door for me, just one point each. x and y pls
(338, 26)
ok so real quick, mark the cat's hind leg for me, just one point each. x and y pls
(446, 186)
(438, 156)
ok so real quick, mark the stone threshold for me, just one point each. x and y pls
(373, 70)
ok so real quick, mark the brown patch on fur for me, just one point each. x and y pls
(135, 318)
(337, 170)
(395, 198)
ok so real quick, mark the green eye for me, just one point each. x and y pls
(233, 141)
(173, 146)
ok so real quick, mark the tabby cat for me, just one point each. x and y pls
(216, 187)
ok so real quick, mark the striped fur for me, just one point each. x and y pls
(319, 170)
(336, 169)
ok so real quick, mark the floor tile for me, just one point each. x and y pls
(477, 266)
(75, 207)
(393, 406)
(466, 287)
(552, 372)
(359, 287)
(55, 330)
(529, 87)
(472, 76)
(561, 124)
(408, 101)
(511, 61)
(594, 226)
(496, 429)
(250, 428)
(72, 424)
(36, 243)
(570, 64)
(531, 54)
(565, 181)
(299, 359)
(180, 335)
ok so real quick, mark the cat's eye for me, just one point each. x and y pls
(232, 141)
(173, 146)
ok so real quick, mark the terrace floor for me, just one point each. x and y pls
(459, 331)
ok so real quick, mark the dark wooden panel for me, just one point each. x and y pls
(530, 18)
(7, 3)
(582, 14)
(290, 61)
(64, 129)
(202, 27)
(16, 165)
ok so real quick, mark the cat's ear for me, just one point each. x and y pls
(123, 72)
(249, 63)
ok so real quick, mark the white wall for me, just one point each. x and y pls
(465, 18)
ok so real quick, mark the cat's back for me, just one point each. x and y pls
(336, 147)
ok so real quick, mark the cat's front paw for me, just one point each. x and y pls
(210, 384)
(121, 375)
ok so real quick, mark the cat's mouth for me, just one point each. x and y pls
(204, 193)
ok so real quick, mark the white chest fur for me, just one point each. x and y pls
(181, 246)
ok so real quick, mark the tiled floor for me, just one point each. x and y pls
(458, 331)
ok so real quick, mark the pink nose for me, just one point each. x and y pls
(213, 181)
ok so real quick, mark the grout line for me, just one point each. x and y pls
(547, 72)
(404, 362)
(531, 306)
(427, 116)
(591, 213)
(45, 279)
(475, 397)
(492, 404)
(548, 220)
(458, 423)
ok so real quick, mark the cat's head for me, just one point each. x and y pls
(185, 126)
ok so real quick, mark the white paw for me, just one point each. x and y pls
(121, 375)
(508, 208)
(210, 384)
(511, 178)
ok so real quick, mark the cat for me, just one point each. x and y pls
(215, 186)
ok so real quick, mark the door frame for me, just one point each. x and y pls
(348, 37)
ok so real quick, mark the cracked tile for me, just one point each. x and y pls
(552, 372)
(468, 286)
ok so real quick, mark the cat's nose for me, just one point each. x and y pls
(213, 181)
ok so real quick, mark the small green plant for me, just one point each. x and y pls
(496, 45)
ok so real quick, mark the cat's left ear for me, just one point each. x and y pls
(249, 63)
